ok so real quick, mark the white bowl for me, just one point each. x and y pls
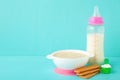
(70, 63)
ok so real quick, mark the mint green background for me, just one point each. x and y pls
(39, 27)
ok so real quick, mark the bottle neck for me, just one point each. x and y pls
(95, 29)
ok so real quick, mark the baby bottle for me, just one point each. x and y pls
(95, 38)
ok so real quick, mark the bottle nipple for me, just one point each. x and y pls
(96, 12)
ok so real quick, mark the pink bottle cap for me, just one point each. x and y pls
(64, 72)
(96, 19)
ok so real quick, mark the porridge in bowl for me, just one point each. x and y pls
(68, 55)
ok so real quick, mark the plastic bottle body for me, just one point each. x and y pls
(95, 43)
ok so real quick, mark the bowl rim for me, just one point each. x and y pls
(70, 50)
